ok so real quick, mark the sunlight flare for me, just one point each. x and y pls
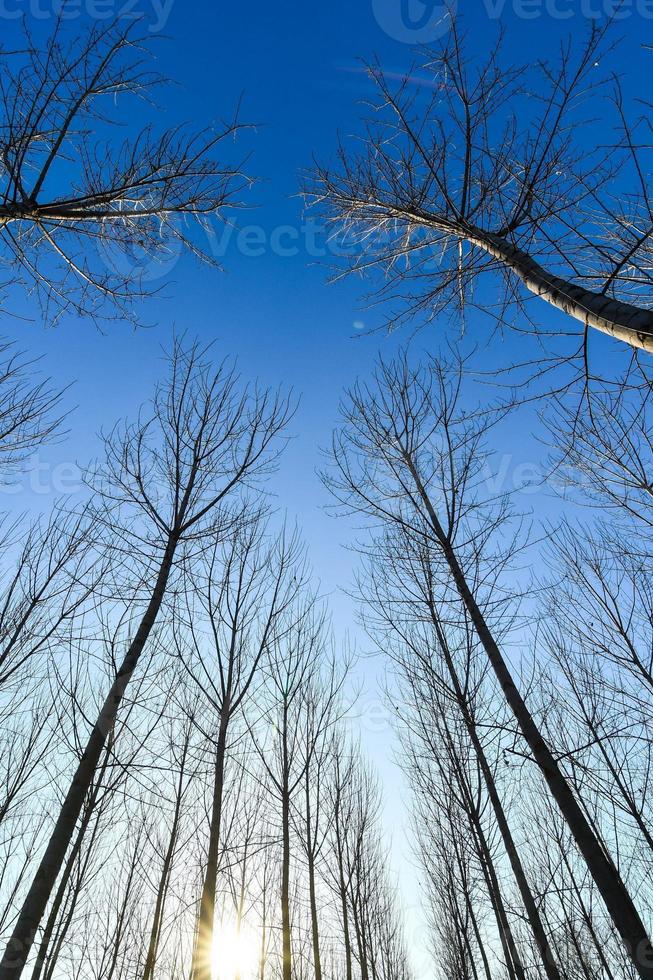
(235, 952)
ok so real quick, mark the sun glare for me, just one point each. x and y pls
(235, 953)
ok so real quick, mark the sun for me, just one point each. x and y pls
(235, 952)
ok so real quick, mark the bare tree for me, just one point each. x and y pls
(169, 852)
(60, 916)
(480, 169)
(451, 794)
(603, 458)
(406, 456)
(372, 930)
(304, 690)
(339, 801)
(30, 409)
(313, 819)
(79, 211)
(442, 671)
(52, 581)
(167, 483)
(455, 911)
(243, 591)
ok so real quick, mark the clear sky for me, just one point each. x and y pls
(297, 68)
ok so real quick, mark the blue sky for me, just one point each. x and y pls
(296, 68)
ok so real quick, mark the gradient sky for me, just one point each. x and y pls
(297, 68)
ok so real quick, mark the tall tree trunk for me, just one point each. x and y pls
(588, 918)
(164, 880)
(264, 927)
(89, 809)
(532, 912)
(534, 918)
(612, 889)
(285, 849)
(315, 933)
(362, 958)
(36, 900)
(342, 888)
(466, 948)
(203, 950)
(362, 953)
(285, 883)
(471, 912)
(241, 902)
(346, 934)
(508, 944)
(631, 324)
(59, 937)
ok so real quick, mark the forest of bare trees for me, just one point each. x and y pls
(184, 769)
(185, 790)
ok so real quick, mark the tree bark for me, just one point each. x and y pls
(33, 909)
(612, 889)
(346, 936)
(65, 878)
(630, 324)
(315, 932)
(535, 921)
(513, 962)
(342, 888)
(623, 321)
(162, 891)
(362, 952)
(285, 850)
(203, 951)
(471, 912)
(587, 916)
(285, 885)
